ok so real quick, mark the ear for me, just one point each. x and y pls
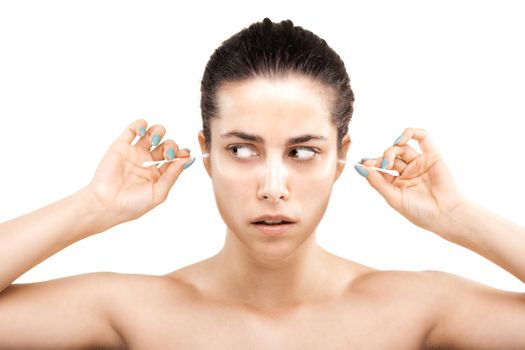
(202, 143)
(345, 144)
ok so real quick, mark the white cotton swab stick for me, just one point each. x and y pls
(386, 171)
(157, 162)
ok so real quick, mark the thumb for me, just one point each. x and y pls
(378, 181)
(168, 178)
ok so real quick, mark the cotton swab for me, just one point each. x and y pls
(205, 155)
(387, 171)
(157, 162)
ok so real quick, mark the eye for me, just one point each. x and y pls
(239, 151)
(300, 153)
(304, 152)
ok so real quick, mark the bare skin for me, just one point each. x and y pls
(260, 292)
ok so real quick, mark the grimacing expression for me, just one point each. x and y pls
(273, 151)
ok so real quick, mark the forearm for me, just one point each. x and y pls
(31, 238)
(489, 235)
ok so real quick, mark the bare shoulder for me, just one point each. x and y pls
(430, 289)
(402, 280)
(463, 302)
(448, 307)
(439, 287)
(404, 303)
(140, 291)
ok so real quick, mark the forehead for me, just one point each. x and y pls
(283, 100)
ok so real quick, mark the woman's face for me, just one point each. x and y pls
(258, 168)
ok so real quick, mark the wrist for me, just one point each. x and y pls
(455, 226)
(98, 217)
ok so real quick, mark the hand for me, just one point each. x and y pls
(424, 192)
(126, 190)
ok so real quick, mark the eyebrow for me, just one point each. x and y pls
(258, 139)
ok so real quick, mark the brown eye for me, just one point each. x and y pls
(304, 153)
(240, 151)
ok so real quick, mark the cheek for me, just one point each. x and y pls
(230, 178)
(313, 196)
(312, 190)
(233, 189)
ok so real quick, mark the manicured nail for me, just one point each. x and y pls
(189, 163)
(142, 131)
(362, 171)
(171, 154)
(365, 159)
(155, 140)
(397, 140)
(187, 149)
(384, 164)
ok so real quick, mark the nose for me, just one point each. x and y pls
(273, 187)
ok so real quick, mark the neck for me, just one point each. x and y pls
(269, 278)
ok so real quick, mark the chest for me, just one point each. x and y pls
(329, 327)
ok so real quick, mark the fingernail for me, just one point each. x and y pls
(155, 140)
(365, 159)
(362, 171)
(187, 149)
(397, 140)
(384, 164)
(142, 131)
(189, 163)
(171, 154)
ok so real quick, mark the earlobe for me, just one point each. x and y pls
(204, 149)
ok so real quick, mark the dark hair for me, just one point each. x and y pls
(267, 49)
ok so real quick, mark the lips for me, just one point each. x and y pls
(274, 225)
(273, 219)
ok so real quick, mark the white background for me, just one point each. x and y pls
(73, 75)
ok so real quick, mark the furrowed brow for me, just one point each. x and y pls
(258, 139)
(304, 138)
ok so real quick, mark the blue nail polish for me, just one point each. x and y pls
(362, 171)
(171, 154)
(365, 159)
(397, 140)
(142, 131)
(155, 140)
(384, 164)
(188, 164)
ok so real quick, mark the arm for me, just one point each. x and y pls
(29, 239)
(489, 235)
(469, 315)
(425, 193)
(77, 311)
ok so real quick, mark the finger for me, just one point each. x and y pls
(179, 153)
(397, 157)
(133, 129)
(161, 151)
(422, 137)
(165, 182)
(371, 161)
(399, 165)
(382, 183)
(152, 138)
(403, 152)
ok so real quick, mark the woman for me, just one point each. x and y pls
(276, 103)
